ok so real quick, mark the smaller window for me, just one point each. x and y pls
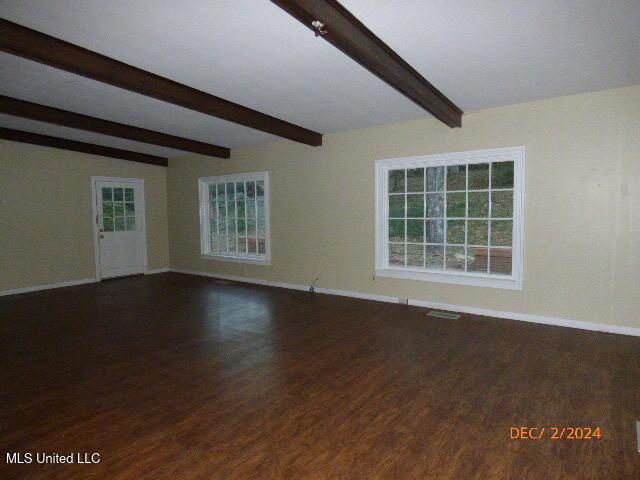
(234, 217)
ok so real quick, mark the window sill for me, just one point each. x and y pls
(504, 282)
(229, 258)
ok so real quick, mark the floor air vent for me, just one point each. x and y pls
(439, 314)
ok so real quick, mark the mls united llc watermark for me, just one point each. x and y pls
(42, 457)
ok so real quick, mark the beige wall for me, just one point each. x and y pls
(46, 233)
(582, 222)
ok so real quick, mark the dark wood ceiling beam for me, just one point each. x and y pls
(55, 142)
(348, 34)
(25, 42)
(56, 116)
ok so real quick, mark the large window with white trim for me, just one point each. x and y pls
(234, 217)
(452, 218)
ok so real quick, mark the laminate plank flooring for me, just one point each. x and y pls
(182, 377)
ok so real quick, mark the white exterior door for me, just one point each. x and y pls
(119, 205)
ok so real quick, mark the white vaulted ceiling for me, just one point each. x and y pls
(480, 54)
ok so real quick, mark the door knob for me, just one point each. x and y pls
(101, 236)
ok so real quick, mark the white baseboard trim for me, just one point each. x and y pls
(291, 286)
(525, 317)
(157, 270)
(68, 283)
(364, 296)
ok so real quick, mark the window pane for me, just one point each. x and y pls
(119, 224)
(222, 223)
(212, 193)
(396, 255)
(455, 258)
(222, 241)
(251, 227)
(478, 204)
(118, 194)
(231, 201)
(251, 190)
(500, 261)
(215, 244)
(131, 223)
(222, 217)
(128, 194)
(213, 210)
(231, 248)
(479, 176)
(260, 188)
(107, 209)
(262, 246)
(242, 213)
(119, 209)
(231, 227)
(415, 255)
(396, 230)
(457, 177)
(435, 231)
(415, 180)
(478, 232)
(252, 245)
(106, 194)
(415, 231)
(242, 244)
(130, 209)
(251, 201)
(261, 227)
(456, 205)
(396, 181)
(107, 224)
(240, 199)
(242, 227)
(502, 204)
(435, 179)
(213, 225)
(501, 233)
(502, 175)
(220, 188)
(477, 259)
(396, 206)
(261, 213)
(251, 210)
(434, 257)
(455, 231)
(222, 244)
(435, 205)
(415, 206)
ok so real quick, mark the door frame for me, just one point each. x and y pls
(94, 218)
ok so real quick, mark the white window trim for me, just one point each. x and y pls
(205, 239)
(511, 282)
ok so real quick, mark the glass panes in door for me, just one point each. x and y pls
(118, 209)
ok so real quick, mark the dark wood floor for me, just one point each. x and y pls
(175, 376)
